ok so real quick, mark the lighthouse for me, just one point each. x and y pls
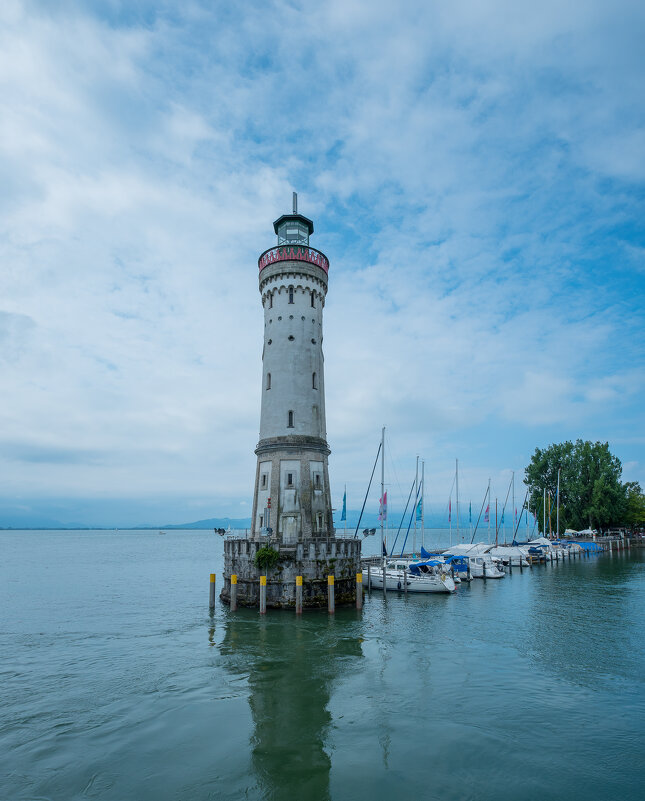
(292, 500)
(292, 508)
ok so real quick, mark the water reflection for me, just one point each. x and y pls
(291, 665)
(580, 624)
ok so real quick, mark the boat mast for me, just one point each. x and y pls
(514, 510)
(383, 546)
(416, 503)
(489, 511)
(558, 508)
(423, 504)
(457, 482)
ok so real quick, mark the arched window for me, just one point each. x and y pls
(290, 294)
(268, 380)
(314, 382)
(290, 419)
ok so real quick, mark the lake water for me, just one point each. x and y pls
(117, 683)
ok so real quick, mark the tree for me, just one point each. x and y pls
(634, 505)
(591, 493)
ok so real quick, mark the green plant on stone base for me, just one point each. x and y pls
(266, 558)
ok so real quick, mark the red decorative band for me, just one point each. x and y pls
(293, 253)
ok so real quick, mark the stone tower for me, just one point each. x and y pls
(292, 501)
(292, 515)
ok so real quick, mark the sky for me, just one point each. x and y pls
(476, 174)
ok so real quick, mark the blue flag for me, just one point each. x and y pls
(470, 512)
(420, 510)
(344, 514)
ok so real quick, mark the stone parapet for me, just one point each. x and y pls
(313, 559)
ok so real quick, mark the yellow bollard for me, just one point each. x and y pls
(233, 592)
(263, 595)
(211, 597)
(359, 590)
(330, 595)
(298, 595)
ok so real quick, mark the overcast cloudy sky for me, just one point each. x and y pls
(476, 174)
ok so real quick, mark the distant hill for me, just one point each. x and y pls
(214, 522)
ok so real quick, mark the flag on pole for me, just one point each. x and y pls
(450, 510)
(516, 514)
(344, 514)
(470, 512)
(487, 514)
(502, 520)
(420, 510)
(382, 512)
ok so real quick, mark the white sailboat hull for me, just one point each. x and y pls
(394, 581)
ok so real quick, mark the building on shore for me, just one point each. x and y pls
(292, 509)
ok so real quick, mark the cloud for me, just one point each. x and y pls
(475, 176)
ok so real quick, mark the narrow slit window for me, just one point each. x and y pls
(268, 380)
(261, 520)
(290, 294)
(290, 419)
(313, 302)
(270, 300)
(264, 479)
(317, 481)
(320, 522)
(289, 479)
(314, 381)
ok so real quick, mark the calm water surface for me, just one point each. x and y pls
(117, 683)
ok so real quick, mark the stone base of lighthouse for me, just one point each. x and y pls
(313, 559)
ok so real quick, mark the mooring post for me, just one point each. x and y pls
(469, 575)
(263, 595)
(484, 569)
(359, 590)
(211, 597)
(521, 565)
(369, 577)
(510, 565)
(452, 572)
(298, 595)
(233, 592)
(330, 595)
(405, 581)
(384, 581)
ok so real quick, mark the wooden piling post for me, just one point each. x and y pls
(469, 574)
(233, 592)
(484, 569)
(331, 608)
(510, 565)
(211, 596)
(263, 595)
(298, 595)
(359, 590)
(521, 565)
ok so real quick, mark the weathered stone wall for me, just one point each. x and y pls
(313, 559)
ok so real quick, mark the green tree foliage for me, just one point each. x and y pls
(591, 493)
(634, 505)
